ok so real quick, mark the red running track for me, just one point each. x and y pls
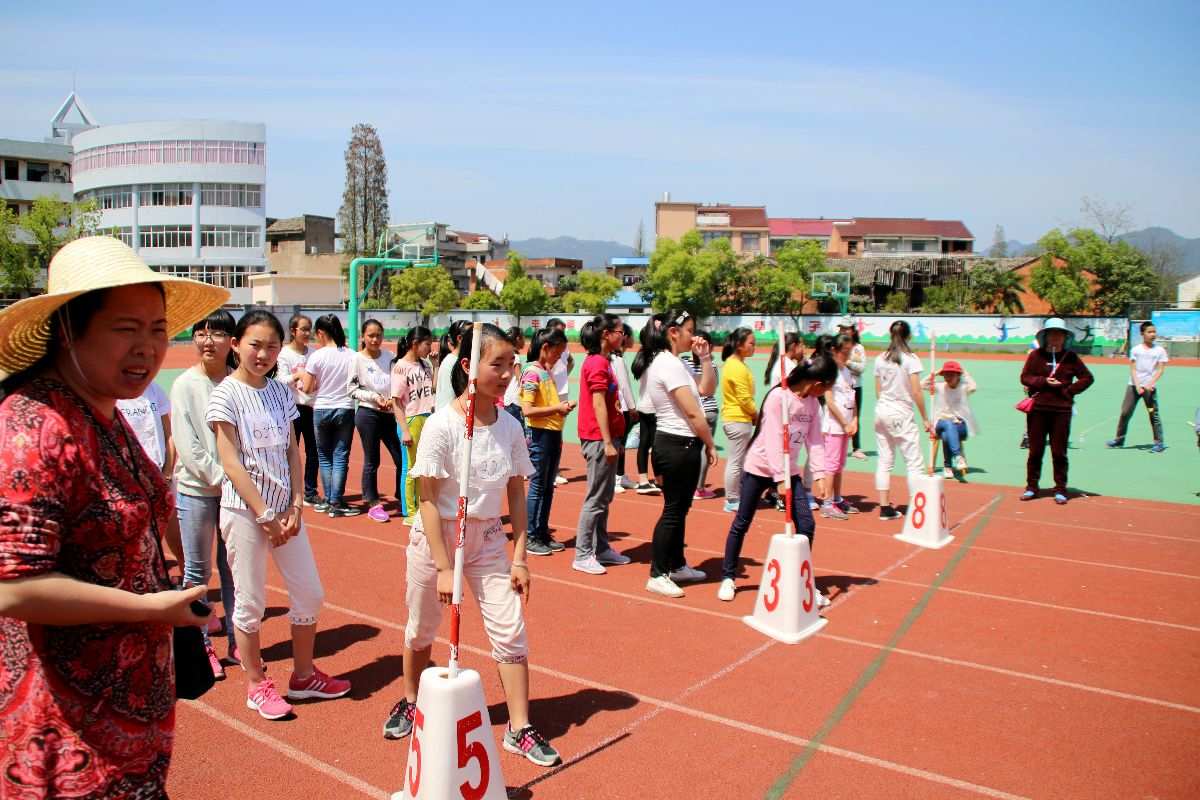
(1058, 658)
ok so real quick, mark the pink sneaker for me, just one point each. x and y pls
(265, 699)
(217, 670)
(705, 494)
(318, 685)
(378, 513)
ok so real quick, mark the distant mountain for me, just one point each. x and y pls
(591, 252)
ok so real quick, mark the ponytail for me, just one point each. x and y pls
(734, 341)
(415, 334)
(790, 340)
(898, 346)
(331, 326)
(653, 340)
(821, 369)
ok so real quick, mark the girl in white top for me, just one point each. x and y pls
(326, 377)
(682, 438)
(857, 364)
(371, 388)
(627, 405)
(838, 424)
(261, 507)
(448, 350)
(150, 418)
(953, 419)
(499, 464)
(292, 361)
(898, 396)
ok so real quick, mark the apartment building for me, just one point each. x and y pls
(899, 237)
(745, 227)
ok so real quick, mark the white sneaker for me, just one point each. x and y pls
(822, 600)
(727, 590)
(663, 585)
(685, 574)
(626, 483)
(618, 488)
(960, 464)
(947, 472)
(559, 480)
(612, 558)
(589, 565)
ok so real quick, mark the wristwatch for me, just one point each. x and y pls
(267, 516)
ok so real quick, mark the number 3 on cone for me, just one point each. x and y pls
(771, 601)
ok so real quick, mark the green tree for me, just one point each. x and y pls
(429, 290)
(782, 288)
(896, 303)
(522, 294)
(1123, 273)
(688, 274)
(364, 213)
(482, 300)
(16, 271)
(1064, 288)
(592, 296)
(945, 299)
(52, 223)
(996, 290)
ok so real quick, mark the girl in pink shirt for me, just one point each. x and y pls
(765, 465)
(412, 403)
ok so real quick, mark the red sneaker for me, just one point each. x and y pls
(265, 699)
(318, 685)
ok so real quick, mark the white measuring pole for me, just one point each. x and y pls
(788, 527)
(464, 478)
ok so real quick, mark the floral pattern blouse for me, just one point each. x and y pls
(85, 710)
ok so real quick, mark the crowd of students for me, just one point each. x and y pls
(220, 463)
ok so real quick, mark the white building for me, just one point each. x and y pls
(29, 170)
(189, 196)
(1189, 292)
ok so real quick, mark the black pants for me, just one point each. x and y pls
(375, 427)
(620, 443)
(1150, 398)
(677, 465)
(1057, 426)
(648, 425)
(857, 416)
(303, 426)
(752, 490)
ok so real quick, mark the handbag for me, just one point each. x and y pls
(1026, 404)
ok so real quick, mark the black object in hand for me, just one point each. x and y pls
(200, 609)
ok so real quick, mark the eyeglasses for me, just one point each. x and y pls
(213, 336)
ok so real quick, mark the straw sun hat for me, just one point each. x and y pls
(86, 265)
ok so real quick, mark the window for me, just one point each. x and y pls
(712, 236)
(125, 234)
(275, 246)
(165, 194)
(171, 151)
(919, 247)
(230, 236)
(165, 236)
(37, 171)
(238, 195)
(852, 248)
(110, 197)
(630, 280)
(750, 242)
(11, 169)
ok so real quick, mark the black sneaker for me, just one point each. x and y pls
(535, 548)
(889, 513)
(648, 488)
(531, 744)
(400, 720)
(343, 510)
(556, 546)
(320, 506)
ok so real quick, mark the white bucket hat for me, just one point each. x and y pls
(1055, 324)
(87, 265)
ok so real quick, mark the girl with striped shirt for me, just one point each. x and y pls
(262, 500)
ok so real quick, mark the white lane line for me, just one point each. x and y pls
(747, 727)
(285, 749)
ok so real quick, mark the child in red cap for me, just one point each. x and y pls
(953, 421)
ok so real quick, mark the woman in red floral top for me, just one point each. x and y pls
(87, 689)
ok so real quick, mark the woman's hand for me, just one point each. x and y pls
(291, 523)
(818, 489)
(851, 427)
(1053, 381)
(174, 607)
(445, 585)
(519, 578)
(275, 532)
(711, 452)
(406, 438)
(701, 348)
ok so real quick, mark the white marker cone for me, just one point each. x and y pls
(451, 752)
(927, 523)
(786, 606)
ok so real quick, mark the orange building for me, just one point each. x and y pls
(1032, 303)
(745, 227)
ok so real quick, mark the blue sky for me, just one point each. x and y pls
(545, 119)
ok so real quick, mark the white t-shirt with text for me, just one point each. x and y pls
(144, 415)
(894, 388)
(291, 364)
(262, 419)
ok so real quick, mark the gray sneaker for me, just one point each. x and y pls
(611, 558)
(830, 511)
(535, 548)
(400, 720)
(531, 744)
(556, 546)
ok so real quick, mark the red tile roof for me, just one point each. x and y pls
(884, 226)
(792, 226)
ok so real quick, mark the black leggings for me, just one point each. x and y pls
(375, 427)
(857, 416)
(648, 425)
(677, 464)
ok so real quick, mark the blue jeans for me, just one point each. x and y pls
(198, 518)
(335, 432)
(545, 451)
(752, 490)
(953, 434)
